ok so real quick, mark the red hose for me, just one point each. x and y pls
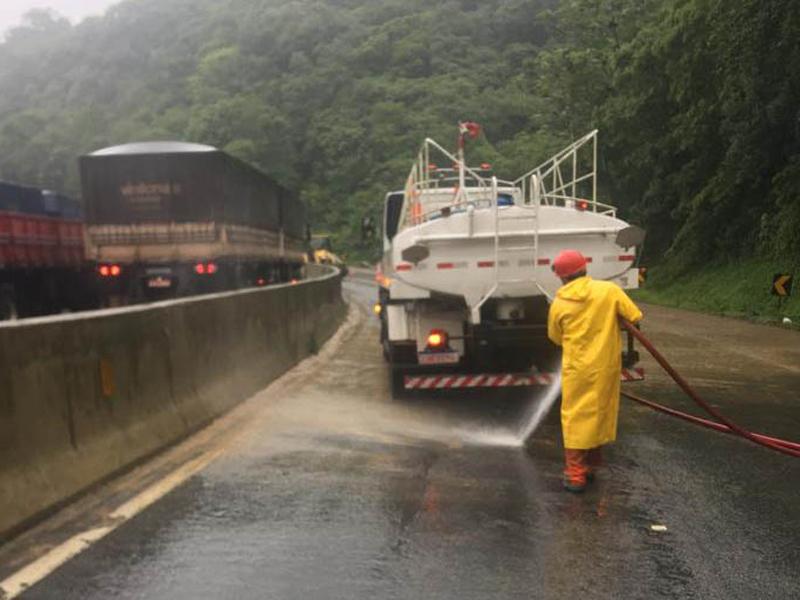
(703, 422)
(723, 423)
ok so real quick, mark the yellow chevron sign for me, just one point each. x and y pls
(782, 285)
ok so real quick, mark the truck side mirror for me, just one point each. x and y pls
(367, 228)
(630, 236)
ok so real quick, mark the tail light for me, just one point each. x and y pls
(437, 339)
(206, 268)
(109, 270)
(582, 205)
(261, 282)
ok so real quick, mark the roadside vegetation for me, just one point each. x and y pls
(697, 103)
(735, 289)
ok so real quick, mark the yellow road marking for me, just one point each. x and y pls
(38, 569)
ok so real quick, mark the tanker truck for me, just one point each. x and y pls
(466, 275)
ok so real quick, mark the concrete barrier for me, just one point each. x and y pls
(84, 396)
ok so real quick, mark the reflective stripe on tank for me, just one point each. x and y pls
(619, 258)
(445, 266)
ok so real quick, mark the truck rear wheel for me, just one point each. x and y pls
(398, 377)
(400, 356)
(8, 311)
(8, 307)
(385, 345)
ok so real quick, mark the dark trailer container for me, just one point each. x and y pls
(172, 219)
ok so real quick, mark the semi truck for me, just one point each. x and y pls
(465, 280)
(167, 219)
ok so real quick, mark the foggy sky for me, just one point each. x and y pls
(11, 11)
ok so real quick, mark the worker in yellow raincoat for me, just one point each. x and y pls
(584, 320)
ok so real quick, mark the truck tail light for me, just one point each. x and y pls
(437, 339)
(206, 268)
(109, 270)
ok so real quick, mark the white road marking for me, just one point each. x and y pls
(33, 573)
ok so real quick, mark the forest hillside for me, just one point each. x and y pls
(697, 101)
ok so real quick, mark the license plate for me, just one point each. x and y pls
(437, 358)
(159, 283)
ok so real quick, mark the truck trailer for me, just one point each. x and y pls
(43, 269)
(465, 281)
(167, 219)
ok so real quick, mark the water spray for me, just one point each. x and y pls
(534, 416)
(539, 410)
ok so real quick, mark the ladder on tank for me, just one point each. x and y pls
(500, 250)
(555, 182)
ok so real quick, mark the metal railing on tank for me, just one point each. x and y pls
(461, 187)
(569, 175)
(568, 179)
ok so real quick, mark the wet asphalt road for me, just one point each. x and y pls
(336, 491)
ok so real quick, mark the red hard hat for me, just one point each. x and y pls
(569, 262)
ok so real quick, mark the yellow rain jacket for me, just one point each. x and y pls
(583, 319)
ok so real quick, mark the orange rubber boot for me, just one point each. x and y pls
(594, 460)
(575, 471)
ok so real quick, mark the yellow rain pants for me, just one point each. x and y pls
(583, 319)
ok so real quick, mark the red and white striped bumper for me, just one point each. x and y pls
(453, 381)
